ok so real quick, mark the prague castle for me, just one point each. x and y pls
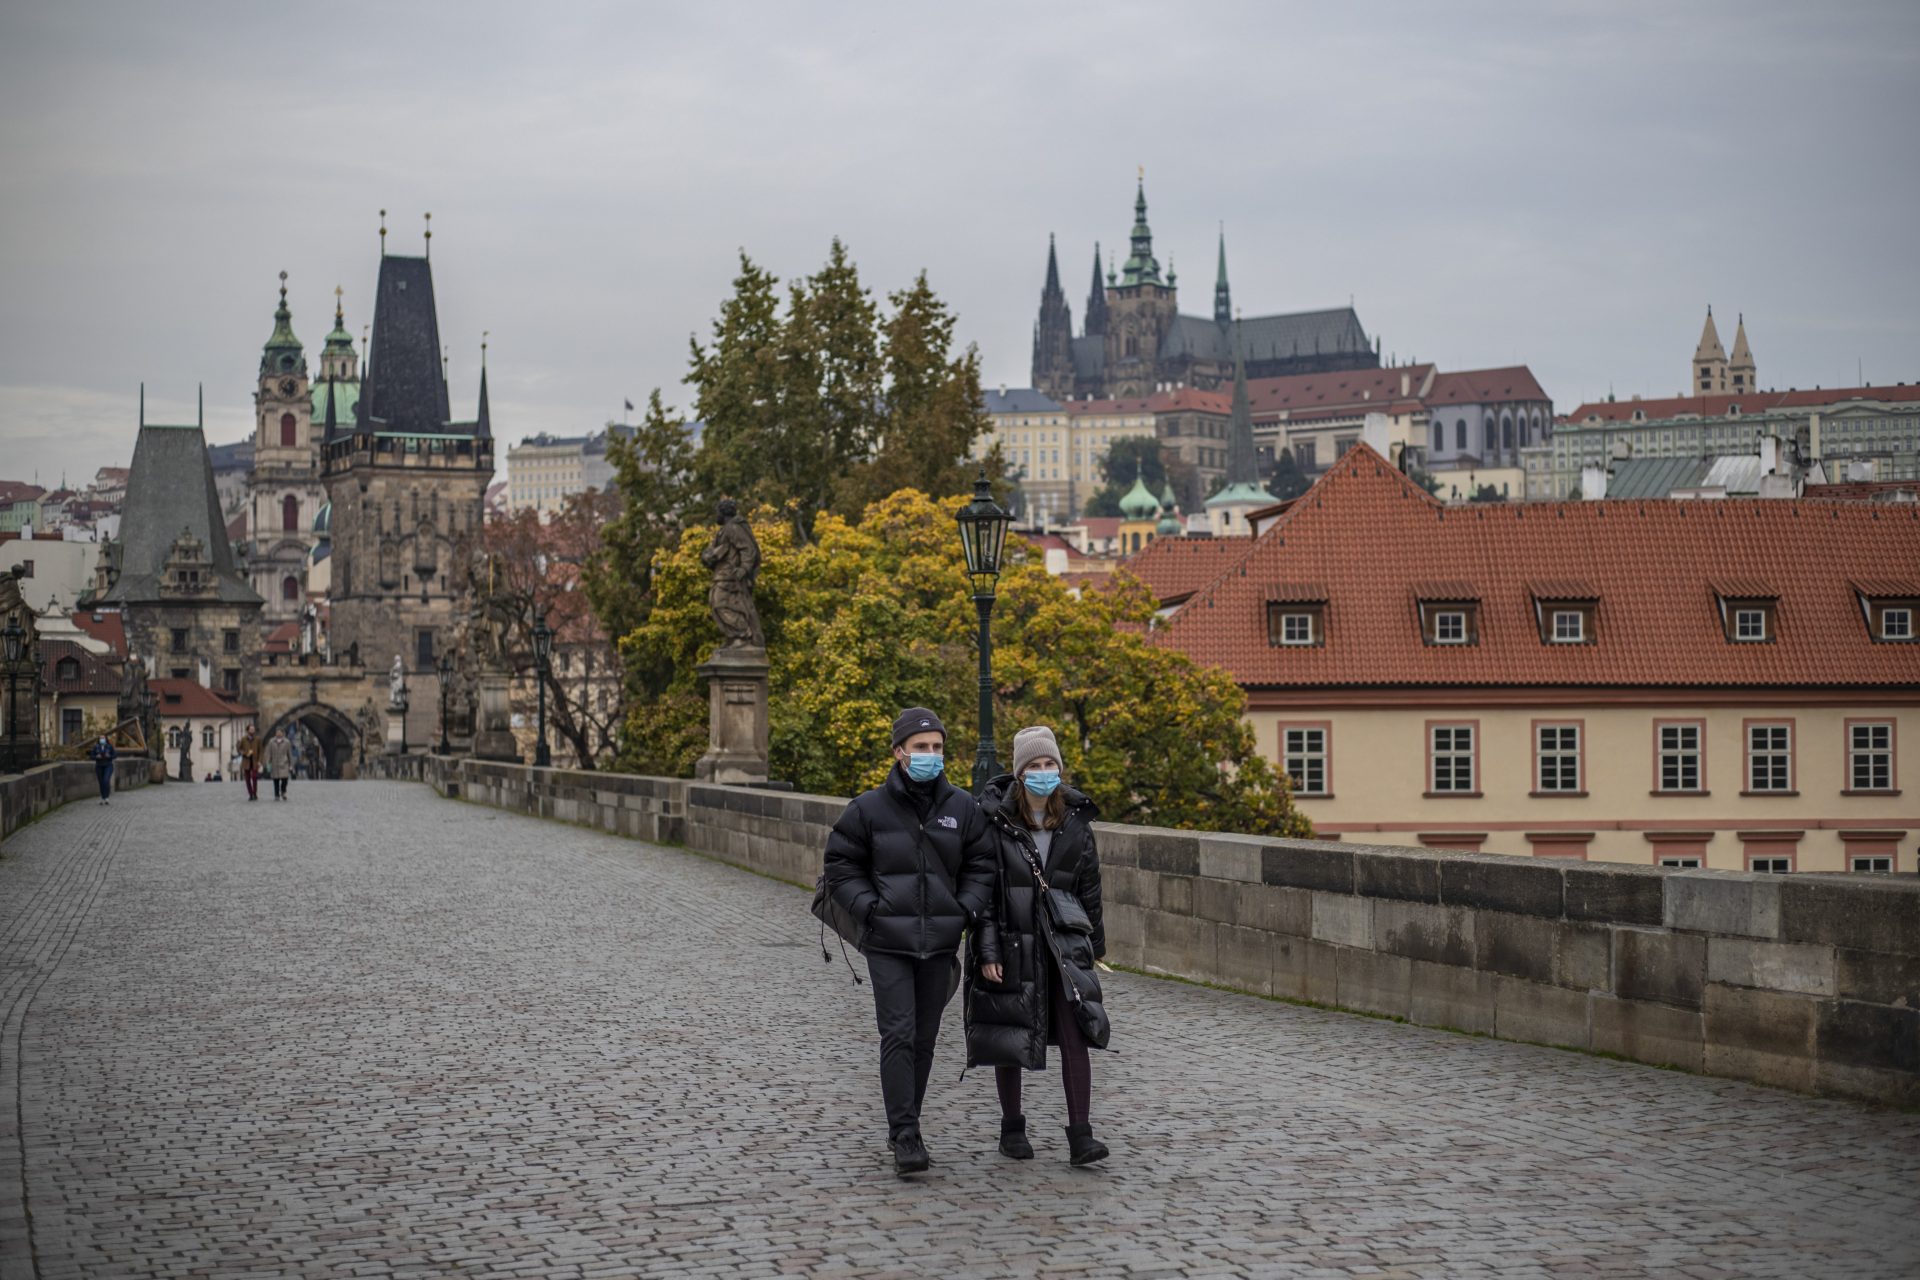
(1134, 341)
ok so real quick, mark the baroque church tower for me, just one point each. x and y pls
(284, 493)
(1141, 309)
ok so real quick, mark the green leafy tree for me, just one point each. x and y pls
(1425, 479)
(1128, 458)
(1288, 480)
(872, 616)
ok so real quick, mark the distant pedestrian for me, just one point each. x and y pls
(103, 757)
(280, 763)
(912, 861)
(1033, 981)
(249, 753)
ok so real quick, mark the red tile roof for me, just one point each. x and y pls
(12, 491)
(1375, 538)
(1099, 528)
(191, 698)
(1354, 390)
(1174, 568)
(1750, 403)
(281, 638)
(105, 626)
(1483, 386)
(93, 673)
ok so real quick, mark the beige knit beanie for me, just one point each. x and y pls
(1030, 744)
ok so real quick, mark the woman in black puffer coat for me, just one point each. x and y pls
(1033, 983)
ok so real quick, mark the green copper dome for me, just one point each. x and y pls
(1139, 502)
(282, 354)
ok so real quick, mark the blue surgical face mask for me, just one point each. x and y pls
(1040, 782)
(925, 766)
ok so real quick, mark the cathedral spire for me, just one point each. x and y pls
(1222, 296)
(1053, 335)
(1141, 267)
(1053, 270)
(1243, 463)
(1097, 299)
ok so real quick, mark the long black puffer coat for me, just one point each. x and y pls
(914, 861)
(1011, 1023)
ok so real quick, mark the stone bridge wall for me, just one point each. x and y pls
(1810, 982)
(25, 796)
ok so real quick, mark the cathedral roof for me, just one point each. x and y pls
(171, 487)
(1281, 337)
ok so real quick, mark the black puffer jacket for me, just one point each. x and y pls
(1011, 1023)
(915, 862)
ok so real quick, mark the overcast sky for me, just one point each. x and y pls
(1564, 185)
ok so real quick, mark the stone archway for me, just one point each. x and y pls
(333, 732)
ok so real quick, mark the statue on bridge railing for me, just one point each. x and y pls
(734, 557)
(493, 610)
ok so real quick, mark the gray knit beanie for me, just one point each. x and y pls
(1030, 744)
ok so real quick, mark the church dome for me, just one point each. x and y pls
(323, 522)
(1139, 502)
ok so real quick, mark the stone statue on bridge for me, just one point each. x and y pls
(734, 558)
(493, 610)
(396, 682)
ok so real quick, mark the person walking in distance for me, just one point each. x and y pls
(1033, 980)
(103, 756)
(913, 861)
(249, 753)
(280, 762)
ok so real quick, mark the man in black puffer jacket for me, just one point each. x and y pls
(914, 860)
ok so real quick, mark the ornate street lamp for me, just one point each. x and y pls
(983, 538)
(446, 677)
(15, 640)
(542, 651)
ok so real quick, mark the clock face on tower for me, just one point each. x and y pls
(288, 386)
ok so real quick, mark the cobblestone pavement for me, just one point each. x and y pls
(374, 1032)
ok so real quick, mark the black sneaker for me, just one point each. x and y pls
(1013, 1138)
(910, 1154)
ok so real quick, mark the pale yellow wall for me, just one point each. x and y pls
(1379, 777)
(1030, 440)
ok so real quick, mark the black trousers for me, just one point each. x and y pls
(279, 785)
(909, 996)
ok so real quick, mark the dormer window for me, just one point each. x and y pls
(1449, 613)
(1891, 607)
(1296, 616)
(1565, 611)
(1749, 612)
(67, 669)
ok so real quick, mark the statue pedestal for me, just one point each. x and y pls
(736, 716)
(396, 730)
(493, 739)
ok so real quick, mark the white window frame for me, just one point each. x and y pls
(1887, 616)
(1449, 758)
(1741, 632)
(1562, 750)
(1308, 754)
(1681, 755)
(1884, 861)
(1769, 753)
(1859, 756)
(1440, 621)
(1287, 635)
(1577, 634)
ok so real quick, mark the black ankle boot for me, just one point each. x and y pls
(1085, 1147)
(909, 1154)
(1013, 1138)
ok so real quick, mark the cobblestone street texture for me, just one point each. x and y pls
(374, 1032)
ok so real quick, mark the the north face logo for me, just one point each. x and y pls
(953, 823)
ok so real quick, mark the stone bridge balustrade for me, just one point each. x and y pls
(1811, 982)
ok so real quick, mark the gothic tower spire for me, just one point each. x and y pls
(1709, 362)
(1097, 299)
(1141, 268)
(1222, 296)
(1053, 335)
(1742, 377)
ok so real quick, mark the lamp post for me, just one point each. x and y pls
(401, 704)
(15, 638)
(446, 677)
(542, 650)
(983, 537)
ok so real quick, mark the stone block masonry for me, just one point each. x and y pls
(1811, 983)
